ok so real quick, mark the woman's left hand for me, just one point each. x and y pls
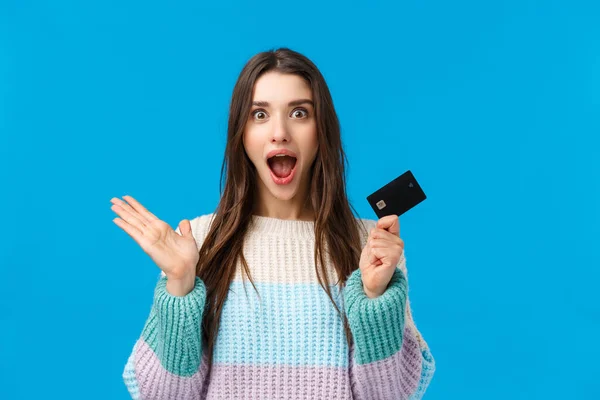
(381, 255)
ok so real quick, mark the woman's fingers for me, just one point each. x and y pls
(147, 215)
(385, 243)
(382, 247)
(133, 212)
(390, 223)
(127, 207)
(371, 256)
(130, 216)
(374, 255)
(379, 233)
(131, 231)
(381, 236)
(381, 244)
(374, 259)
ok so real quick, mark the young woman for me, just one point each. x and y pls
(328, 316)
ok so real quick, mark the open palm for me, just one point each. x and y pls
(176, 255)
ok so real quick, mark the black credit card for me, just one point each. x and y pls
(397, 197)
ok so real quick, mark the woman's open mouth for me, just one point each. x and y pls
(282, 167)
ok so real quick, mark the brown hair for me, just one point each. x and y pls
(336, 228)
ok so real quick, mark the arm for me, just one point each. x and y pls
(388, 356)
(166, 361)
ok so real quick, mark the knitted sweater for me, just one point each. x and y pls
(290, 342)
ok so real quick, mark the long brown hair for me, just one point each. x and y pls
(336, 228)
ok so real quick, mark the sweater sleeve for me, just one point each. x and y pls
(389, 359)
(166, 361)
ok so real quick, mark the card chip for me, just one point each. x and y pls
(380, 204)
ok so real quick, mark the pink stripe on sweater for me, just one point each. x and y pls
(155, 382)
(240, 381)
(395, 377)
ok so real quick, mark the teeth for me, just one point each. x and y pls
(282, 155)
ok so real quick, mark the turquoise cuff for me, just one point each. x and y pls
(377, 324)
(173, 329)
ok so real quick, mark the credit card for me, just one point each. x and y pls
(397, 197)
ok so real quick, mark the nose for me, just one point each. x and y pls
(280, 130)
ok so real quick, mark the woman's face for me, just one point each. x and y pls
(282, 118)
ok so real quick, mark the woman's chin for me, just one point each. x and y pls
(284, 193)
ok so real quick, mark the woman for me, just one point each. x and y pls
(329, 316)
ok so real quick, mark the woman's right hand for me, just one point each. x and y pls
(176, 255)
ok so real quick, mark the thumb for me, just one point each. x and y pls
(390, 223)
(185, 228)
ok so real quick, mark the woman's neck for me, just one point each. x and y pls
(286, 214)
(285, 210)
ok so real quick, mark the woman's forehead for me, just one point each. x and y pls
(279, 89)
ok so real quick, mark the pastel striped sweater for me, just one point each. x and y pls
(290, 343)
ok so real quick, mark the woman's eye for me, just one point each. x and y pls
(302, 112)
(258, 112)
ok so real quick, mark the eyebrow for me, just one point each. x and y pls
(290, 104)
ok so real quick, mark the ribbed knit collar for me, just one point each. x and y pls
(282, 227)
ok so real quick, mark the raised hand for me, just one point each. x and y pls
(176, 255)
(380, 255)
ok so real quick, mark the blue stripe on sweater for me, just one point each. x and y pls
(295, 324)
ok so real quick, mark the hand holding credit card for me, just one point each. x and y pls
(397, 197)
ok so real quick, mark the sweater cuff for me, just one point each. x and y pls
(162, 295)
(173, 330)
(377, 324)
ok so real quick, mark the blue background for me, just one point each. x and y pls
(493, 106)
